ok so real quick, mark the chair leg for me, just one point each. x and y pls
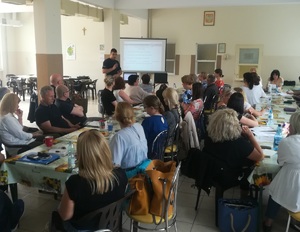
(198, 197)
(218, 194)
(288, 223)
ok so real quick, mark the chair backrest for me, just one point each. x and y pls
(159, 145)
(289, 83)
(100, 105)
(109, 217)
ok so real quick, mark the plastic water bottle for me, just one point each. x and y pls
(71, 156)
(270, 117)
(277, 137)
(110, 125)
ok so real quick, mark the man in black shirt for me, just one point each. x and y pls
(48, 117)
(111, 66)
(107, 97)
(73, 112)
(56, 80)
(210, 95)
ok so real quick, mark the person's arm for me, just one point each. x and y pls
(108, 70)
(115, 103)
(125, 97)
(257, 153)
(77, 110)
(66, 207)
(249, 122)
(256, 113)
(48, 128)
(19, 113)
(14, 128)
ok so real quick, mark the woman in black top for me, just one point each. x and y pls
(96, 185)
(108, 99)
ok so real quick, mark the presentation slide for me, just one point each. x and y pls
(143, 55)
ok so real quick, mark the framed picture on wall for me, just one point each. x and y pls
(209, 18)
(221, 47)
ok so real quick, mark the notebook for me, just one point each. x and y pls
(33, 157)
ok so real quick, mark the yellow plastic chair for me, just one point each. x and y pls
(165, 221)
(296, 216)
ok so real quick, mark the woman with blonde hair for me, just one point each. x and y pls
(99, 182)
(128, 145)
(11, 125)
(234, 146)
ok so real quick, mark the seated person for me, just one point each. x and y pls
(233, 146)
(3, 91)
(107, 97)
(99, 182)
(10, 213)
(159, 94)
(252, 89)
(224, 97)
(56, 80)
(236, 102)
(11, 125)
(119, 92)
(202, 77)
(196, 104)
(154, 124)
(73, 112)
(128, 145)
(284, 188)
(146, 86)
(134, 91)
(48, 117)
(275, 79)
(210, 96)
(219, 79)
(187, 84)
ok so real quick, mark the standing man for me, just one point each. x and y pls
(111, 66)
(56, 80)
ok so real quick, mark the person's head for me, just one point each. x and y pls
(47, 95)
(249, 79)
(295, 123)
(153, 105)
(225, 95)
(62, 92)
(275, 74)
(211, 79)
(197, 91)
(223, 125)
(109, 81)
(3, 91)
(218, 73)
(236, 102)
(94, 161)
(124, 114)
(170, 96)
(133, 79)
(119, 83)
(187, 81)
(56, 79)
(146, 79)
(9, 104)
(113, 54)
(202, 77)
(253, 70)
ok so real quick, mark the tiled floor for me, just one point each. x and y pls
(39, 206)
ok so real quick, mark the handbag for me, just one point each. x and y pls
(161, 176)
(140, 201)
(236, 215)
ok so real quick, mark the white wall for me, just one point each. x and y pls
(274, 27)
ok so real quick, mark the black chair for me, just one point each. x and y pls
(172, 144)
(100, 105)
(9, 78)
(159, 145)
(107, 218)
(22, 87)
(289, 83)
(92, 86)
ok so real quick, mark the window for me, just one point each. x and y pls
(206, 59)
(170, 59)
(248, 56)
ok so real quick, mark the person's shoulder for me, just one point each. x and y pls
(74, 179)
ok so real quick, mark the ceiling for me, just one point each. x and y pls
(156, 4)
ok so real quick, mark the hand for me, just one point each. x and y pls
(19, 113)
(77, 126)
(37, 133)
(247, 132)
(115, 66)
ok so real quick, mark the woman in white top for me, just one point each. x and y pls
(285, 188)
(275, 79)
(11, 124)
(252, 89)
(119, 92)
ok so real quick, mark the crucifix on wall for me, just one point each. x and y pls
(84, 29)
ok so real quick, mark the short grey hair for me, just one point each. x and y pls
(45, 89)
(109, 80)
(295, 123)
(224, 125)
